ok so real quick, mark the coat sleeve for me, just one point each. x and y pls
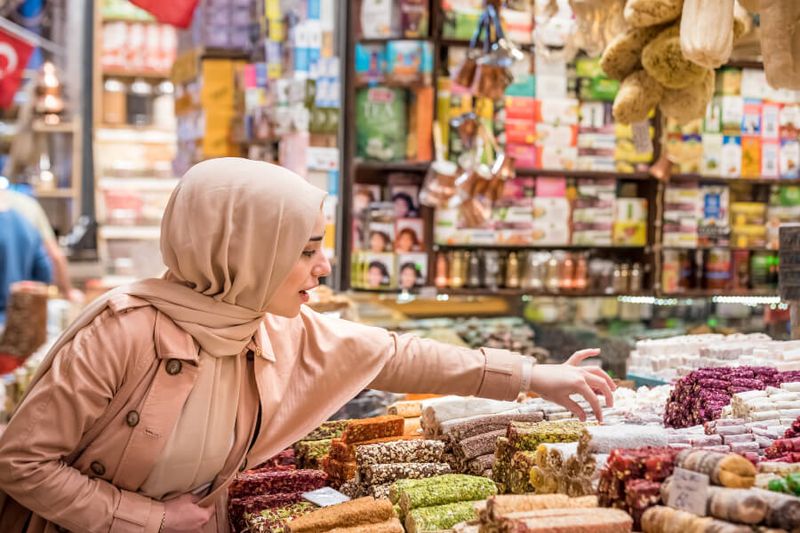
(50, 423)
(410, 364)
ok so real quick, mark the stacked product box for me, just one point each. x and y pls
(557, 134)
(680, 215)
(551, 212)
(219, 24)
(593, 212)
(750, 131)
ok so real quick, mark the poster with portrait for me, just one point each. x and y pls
(406, 201)
(409, 235)
(379, 270)
(412, 270)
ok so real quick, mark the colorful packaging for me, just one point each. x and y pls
(731, 156)
(770, 159)
(381, 119)
(789, 159)
(751, 157)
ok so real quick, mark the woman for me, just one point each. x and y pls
(148, 405)
(409, 276)
(377, 275)
(406, 241)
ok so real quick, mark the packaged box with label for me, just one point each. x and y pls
(712, 154)
(556, 136)
(729, 82)
(790, 121)
(751, 120)
(754, 81)
(751, 157)
(770, 121)
(520, 131)
(551, 157)
(713, 120)
(731, 156)
(522, 107)
(524, 155)
(559, 111)
(732, 114)
(789, 159)
(551, 221)
(770, 159)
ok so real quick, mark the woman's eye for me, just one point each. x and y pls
(309, 253)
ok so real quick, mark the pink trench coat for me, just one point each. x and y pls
(121, 383)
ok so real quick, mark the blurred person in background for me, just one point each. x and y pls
(22, 252)
(32, 211)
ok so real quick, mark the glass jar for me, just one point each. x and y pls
(164, 106)
(114, 102)
(140, 103)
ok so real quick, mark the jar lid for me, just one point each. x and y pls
(114, 85)
(140, 86)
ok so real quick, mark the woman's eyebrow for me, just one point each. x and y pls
(315, 239)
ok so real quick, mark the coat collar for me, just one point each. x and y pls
(172, 342)
(261, 344)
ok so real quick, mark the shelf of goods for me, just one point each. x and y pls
(290, 111)
(582, 189)
(715, 448)
(134, 136)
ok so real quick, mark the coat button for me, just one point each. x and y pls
(97, 468)
(250, 355)
(173, 367)
(132, 418)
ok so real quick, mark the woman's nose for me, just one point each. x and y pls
(323, 268)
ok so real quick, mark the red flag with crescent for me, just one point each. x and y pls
(175, 12)
(14, 56)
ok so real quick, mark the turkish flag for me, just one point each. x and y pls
(175, 12)
(14, 55)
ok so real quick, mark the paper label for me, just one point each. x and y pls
(325, 497)
(641, 137)
(688, 492)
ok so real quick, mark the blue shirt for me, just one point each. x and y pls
(22, 255)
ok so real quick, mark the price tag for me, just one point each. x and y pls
(325, 497)
(642, 142)
(688, 492)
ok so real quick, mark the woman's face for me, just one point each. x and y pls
(304, 276)
(374, 277)
(401, 208)
(408, 278)
(404, 242)
(377, 243)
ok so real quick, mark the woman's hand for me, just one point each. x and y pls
(557, 382)
(183, 515)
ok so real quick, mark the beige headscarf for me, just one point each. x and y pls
(231, 233)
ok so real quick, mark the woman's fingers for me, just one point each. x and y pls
(596, 370)
(586, 391)
(600, 385)
(581, 355)
(573, 406)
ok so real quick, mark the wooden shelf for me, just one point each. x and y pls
(722, 179)
(392, 166)
(466, 42)
(537, 294)
(55, 193)
(584, 174)
(130, 73)
(724, 247)
(533, 247)
(710, 293)
(384, 40)
(130, 20)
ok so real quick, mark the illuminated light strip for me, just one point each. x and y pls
(747, 300)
